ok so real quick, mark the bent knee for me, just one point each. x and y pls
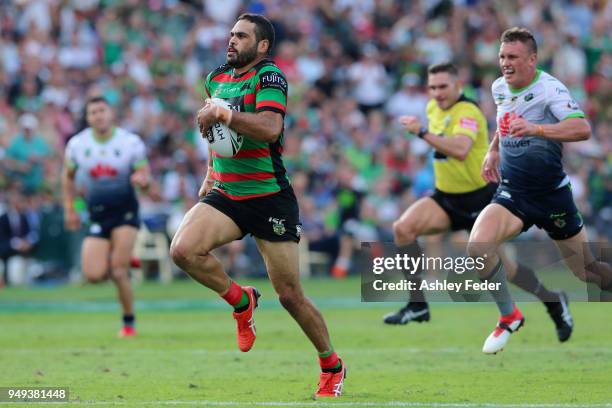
(180, 252)
(120, 273)
(476, 249)
(403, 233)
(96, 277)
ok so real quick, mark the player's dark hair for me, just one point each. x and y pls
(522, 35)
(443, 67)
(96, 99)
(264, 30)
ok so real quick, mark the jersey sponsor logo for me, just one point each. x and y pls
(561, 91)
(103, 170)
(499, 98)
(528, 97)
(512, 144)
(273, 80)
(469, 123)
(278, 225)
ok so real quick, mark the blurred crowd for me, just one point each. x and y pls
(354, 66)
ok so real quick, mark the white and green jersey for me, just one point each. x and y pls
(531, 163)
(105, 168)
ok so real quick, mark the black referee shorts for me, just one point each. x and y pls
(464, 208)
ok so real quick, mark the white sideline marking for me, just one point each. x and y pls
(345, 404)
(412, 350)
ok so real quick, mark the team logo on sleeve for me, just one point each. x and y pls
(573, 105)
(469, 123)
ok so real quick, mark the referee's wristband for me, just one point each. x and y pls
(422, 132)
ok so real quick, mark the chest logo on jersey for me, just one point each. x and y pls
(528, 97)
(499, 98)
(103, 170)
(503, 124)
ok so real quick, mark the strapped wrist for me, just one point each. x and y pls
(224, 115)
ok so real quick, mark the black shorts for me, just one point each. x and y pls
(273, 218)
(554, 212)
(101, 226)
(463, 208)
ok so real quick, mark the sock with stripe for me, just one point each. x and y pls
(525, 279)
(236, 297)
(416, 296)
(330, 363)
(129, 320)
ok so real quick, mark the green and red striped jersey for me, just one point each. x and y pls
(257, 169)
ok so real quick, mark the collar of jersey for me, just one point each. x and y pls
(256, 66)
(535, 79)
(101, 141)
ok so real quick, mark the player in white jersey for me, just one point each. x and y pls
(111, 161)
(535, 115)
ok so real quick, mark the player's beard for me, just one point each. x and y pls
(243, 58)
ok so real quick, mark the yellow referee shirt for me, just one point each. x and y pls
(463, 118)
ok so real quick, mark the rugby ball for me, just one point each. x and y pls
(222, 139)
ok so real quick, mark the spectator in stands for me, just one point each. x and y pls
(26, 154)
(18, 231)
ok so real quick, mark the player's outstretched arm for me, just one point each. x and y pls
(141, 177)
(568, 130)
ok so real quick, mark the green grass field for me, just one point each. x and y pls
(186, 355)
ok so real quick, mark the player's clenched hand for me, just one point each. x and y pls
(140, 180)
(206, 116)
(72, 221)
(410, 123)
(490, 167)
(519, 127)
(206, 186)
